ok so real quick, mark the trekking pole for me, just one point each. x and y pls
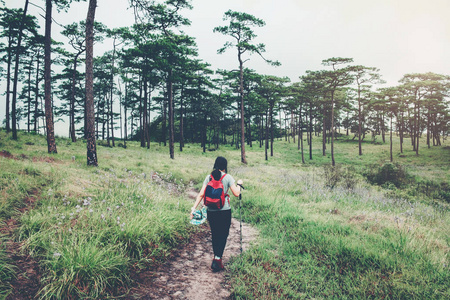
(240, 213)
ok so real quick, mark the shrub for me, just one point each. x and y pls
(338, 175)
(433, 189)
(103, 143)
(389, 173)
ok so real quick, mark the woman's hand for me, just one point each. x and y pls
(192, 213)
(236, 188)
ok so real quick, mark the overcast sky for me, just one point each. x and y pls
(396, 36)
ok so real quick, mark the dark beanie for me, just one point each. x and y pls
(221, 164)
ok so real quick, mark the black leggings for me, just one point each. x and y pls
(219, 222)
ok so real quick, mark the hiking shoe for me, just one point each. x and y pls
(217, 265)
(220, 263)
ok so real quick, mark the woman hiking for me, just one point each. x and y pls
(219, 218)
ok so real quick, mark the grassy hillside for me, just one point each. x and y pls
(325, 233)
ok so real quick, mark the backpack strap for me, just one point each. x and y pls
(212, 178)
(225, 192)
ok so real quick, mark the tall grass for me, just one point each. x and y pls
(7, 271)
(339, 243)
(20, 180)
(91, 226)
(126, 220)
(81, 266)
(323, 234)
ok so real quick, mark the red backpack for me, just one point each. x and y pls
(215, 193)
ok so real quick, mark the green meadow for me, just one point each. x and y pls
(366, 229)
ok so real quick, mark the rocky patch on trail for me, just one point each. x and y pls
(188, 275)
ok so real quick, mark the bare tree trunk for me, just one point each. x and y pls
(171, 118)
(90, 133)
(125, 131)
(286, 133)
(413, 130)
(418, 129)
(142, 86)
(8, 86)
(261, 130)
(132, 115)
(310, 131)
(107, 119)
(241, 90)
(249, 134)
(164, 123)
(36, 97)
(43, 120)
(85, 119)
(236, 123)
(293, 126)
(47, 79)
(332, 129)
(401, 133)
(72, 103)
(324, 134)
(29, 97)
(97, 124)
(144, 112)
(392, 159)
(279, 117)
(148, 118)
(120, 111)
(359, 122)
(298, 129)
(112, 92)
(429, 130)
(181, 121)
(204, 133)
(16, 74)
(111, 118)
(300, 133)
(266, 145)
(271, 129)
(120, 121)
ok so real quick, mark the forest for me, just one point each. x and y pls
(152, 86)
(347, 181)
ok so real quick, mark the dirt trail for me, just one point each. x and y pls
(188, 274)
(26, 284)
